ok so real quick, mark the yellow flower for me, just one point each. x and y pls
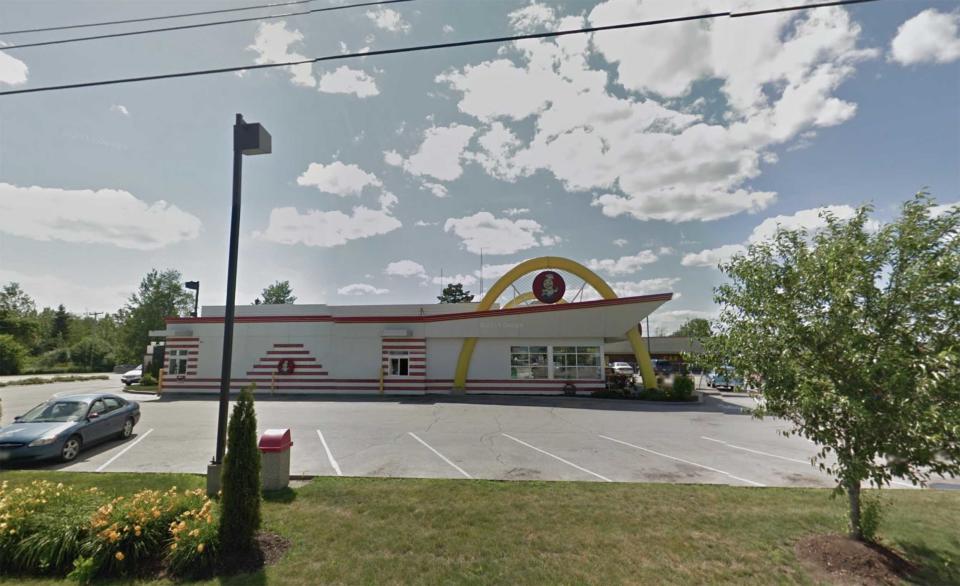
(199, 548)
(12, 531)
(119, 556)
(194, 533)
(173, 546)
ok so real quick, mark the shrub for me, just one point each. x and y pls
(192, 553)
(147, 380)
(682, 389)
(92, 354)
(241, 482)
(871, 514)
(12, 355)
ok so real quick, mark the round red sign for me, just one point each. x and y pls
(548, 287)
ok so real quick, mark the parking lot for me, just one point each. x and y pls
(489, 437)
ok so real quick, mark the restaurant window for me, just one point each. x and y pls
(399, 364)
(577, 362)
(528, 362)
(177, 359)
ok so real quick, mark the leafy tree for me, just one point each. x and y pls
(694, 328)
(240, 502)
(60, 328)
(12, 355)
(853, 335)
(160, 295)
(18, 316)
(277, 294)
(454, 293)
(92, 354)
(15, 300)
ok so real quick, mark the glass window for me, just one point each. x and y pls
(112, 404)
(399, 366)
(177, 361)
(576, 363)
(528, 362)
(98, 407)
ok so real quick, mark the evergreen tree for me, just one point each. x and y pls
(277, 294)
(60, 329)
(454, 293)
(240, 479)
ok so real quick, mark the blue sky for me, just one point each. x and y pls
(648, 154)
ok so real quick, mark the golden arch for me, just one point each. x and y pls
(538, 264)
(523, 298)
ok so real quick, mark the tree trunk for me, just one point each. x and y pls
(853, 492)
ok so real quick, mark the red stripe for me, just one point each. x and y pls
(181, 346)
(288, 345)
(433, 318)
(404, 339)
(180, 339)
(288, 352)
(296, 359)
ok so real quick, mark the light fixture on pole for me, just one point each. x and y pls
(194, 286)
(248, 139)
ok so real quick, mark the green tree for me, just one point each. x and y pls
(695, 328)
(12, 355)
(853, 335)
(454, 293)
(161, 295)
(18, 316)
(240, 481)
(92, 354)
(277, 294)
(60, 329)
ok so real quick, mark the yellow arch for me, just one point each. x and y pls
(563, 264)
(523, 298)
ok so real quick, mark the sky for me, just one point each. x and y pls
(649, 155)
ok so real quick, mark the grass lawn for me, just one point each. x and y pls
(397, 531)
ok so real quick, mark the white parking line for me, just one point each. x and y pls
(567, 462)
(807, 462)
(326, 448)
(124, 451)
(442, 457)
(729, 445)
(662, 455)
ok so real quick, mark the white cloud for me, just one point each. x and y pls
(356, 289)
(621, 242)
(393, 158)
(344, 80)
(51, 290)
(326, 228)
(435, 188)
(12, 70)
(809, 220)
(645, 156)
(447, 29)
(120, 108)
(532, 17)
(272, 44)
(712, 257)
(635, 288)
(388, 20)
(104, 216)
(666, 322)
(423, 223)
(929, 37)
(496, 271)
(439, 154)
(465, 280)
(516, 211)
(939, 210)
(406, 268)
(338, 178)
(496, 235)
(623, 265)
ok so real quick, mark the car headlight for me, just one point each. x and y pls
(44, 441)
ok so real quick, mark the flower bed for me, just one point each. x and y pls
(53, 529)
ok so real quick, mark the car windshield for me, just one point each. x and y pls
(58, 411)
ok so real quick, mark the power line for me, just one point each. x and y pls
(149, 18)
(544, 35)
(181, 27)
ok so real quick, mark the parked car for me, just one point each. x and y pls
(622, 368)
(132, 377)
(63, 426)
(724, 378)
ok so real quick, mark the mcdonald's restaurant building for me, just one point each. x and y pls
(546, 347)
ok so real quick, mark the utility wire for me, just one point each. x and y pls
(544, 35)
(149, 18)
(181, 27)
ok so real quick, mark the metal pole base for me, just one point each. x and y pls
(213, 479)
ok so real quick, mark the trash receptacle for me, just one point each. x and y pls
(275, 459)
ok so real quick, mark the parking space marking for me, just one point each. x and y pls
(729, 445)
(442, 457)
(567, 462)
(124, 451)
(662, 455)
(326, 448)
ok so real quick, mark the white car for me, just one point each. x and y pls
(133, 376)
(622, 368)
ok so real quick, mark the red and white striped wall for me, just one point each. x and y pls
(415, 350)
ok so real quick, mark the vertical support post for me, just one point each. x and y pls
(643, 358)
(196, 301)
(230, 308)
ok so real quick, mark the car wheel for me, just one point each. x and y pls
(71, 448)
(127, 430)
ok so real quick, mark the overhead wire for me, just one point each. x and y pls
(181, 27)
(435, 46)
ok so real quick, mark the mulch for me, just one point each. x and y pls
(841, 560)
(270, 549)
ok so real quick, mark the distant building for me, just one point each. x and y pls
(669, 348)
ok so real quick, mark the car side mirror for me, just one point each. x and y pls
(18, 418)
(93, 416)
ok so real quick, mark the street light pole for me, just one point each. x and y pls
(248, 139)
(194, 286)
